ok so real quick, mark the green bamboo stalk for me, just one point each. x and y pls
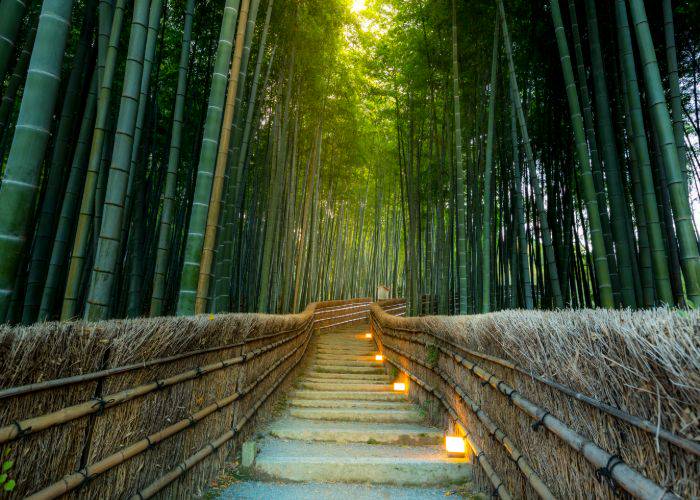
(618, 207)
(659, 259)
(81, 242)
(674, 84)
(44, 235)
(207, 257)
(20, 182)
(539, 200)
(488, 197)
(599, 253)
(107, 255)
(596, 167)
(524, 263)
(207, 159)
(461, 215)
(71, 203)
(224, 266)
(11, 15)
(154, 16)
(687, 239)
(165, 230)
(14, 84)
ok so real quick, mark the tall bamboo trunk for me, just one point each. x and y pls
(107, 254)
(22, 174)
(488, 197)
(81, 242)
(602, 273)
(687, 239)
(207, 159)
(165, 230)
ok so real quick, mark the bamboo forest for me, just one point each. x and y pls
(350, 249)
(178, 157)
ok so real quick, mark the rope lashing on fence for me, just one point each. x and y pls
(640, 423)
(76, 479)
(209, 448)
(89, 377)
(629, 479)
(494, 431)
(42, 422)
(481, 457)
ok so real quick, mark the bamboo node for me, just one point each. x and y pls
(604, 474)
(21, 432)
(536, 426)
(101, 404)
(494, 493)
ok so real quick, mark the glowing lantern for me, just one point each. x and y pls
(368, 335)
(379, 357)
(455, 446)
(399, 386)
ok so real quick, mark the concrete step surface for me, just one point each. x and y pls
(355, 395)
(347, 376)
(345, 425)
(326, 386)
(257, 490)
(358, 414)
(350, 403)
(355, 432)
(350, 463)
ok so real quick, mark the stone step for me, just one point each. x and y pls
(347, 376)
(417, 466)
(352, 395)
(350, 403)
(357, 415)
(341, 381)
(354, 354)
(247, 490)
(347, 359)
(346, 368)
(355, 432)
(325, 386)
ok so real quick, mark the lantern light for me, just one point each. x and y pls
(399, 386)
(368, 335)
(379, 357)
(455, 446)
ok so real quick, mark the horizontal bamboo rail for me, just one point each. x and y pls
(209, 448)
(498, 486)
(629, 479)
(315, 317)
(35, 424)
(638, 422)
(74, 480)
(508, 445)
(89, 377)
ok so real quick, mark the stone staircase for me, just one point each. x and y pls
(345, 424)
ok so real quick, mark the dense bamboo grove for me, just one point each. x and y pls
(179, 157)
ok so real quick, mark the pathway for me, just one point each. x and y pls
(345, 424)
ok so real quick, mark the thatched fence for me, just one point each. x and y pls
(136, 408)
(567, 404)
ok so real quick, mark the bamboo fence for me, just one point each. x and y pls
(148, 406)
(561, 404)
